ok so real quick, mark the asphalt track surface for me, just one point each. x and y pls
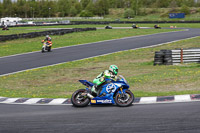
(12, 64)
(150, 118)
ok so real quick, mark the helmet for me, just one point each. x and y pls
(47, 36)
(113, 69)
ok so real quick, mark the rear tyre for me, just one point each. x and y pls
(126, 100)
(78, 100)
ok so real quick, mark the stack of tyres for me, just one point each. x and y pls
(159, 58)
(167, 57)
(163, 57)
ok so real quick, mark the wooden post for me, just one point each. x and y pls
(181, 55)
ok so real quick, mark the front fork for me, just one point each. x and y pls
(122, 93)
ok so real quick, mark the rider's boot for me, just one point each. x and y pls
(94, 90)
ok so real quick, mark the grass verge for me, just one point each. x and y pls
(136, 65)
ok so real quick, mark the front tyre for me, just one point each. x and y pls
(79, 100)
(49, 49)
(42, 50)
(124, 100)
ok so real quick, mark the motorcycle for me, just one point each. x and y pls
(112, 92)
(5, 28)
(46, 47)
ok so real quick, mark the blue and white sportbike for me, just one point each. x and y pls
(111, 92)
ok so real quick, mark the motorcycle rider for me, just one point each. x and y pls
(5, 27)
(100, 79)
(48, 41)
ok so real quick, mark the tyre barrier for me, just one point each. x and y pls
(128, 22)
(177, 56)
(42, 33)
(163, 57)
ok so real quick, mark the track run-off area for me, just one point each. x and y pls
(148, 118)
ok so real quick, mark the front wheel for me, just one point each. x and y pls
(49, 49)
(79, 100)
(124, 100)
(42, 50)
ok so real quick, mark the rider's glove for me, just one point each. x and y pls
(112, 76)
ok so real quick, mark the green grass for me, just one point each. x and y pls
(20, 30)
(34, 44)
(136, 65)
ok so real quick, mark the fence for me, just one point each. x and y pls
(43, 33)
(62, 18)
(177, 56)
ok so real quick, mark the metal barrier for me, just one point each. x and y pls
(186, 55)
(63, 18)
(177, 56)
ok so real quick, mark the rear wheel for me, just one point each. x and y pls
(79, 100)
(124, 100)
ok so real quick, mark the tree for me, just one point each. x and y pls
(90, 7)
(112, 3)
(84, 3)
(185, 9)
(73, 11)
(173, 5)
(86, 13)
(1, 9)
(78, 7)
(127, 3)
(7, 8)
(63, 8)
(129, 13)
(136, 4)
(102, 7)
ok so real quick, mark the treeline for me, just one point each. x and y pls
(84, 8)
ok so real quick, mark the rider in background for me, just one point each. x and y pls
(100, 79)
(48, 41)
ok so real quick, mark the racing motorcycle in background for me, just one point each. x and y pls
(112, 92)
(46, 47)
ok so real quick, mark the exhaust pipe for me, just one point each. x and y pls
(90, 96)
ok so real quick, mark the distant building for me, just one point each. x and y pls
(10, 21)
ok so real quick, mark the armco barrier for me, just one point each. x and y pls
(177, 56)
(43, 33)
